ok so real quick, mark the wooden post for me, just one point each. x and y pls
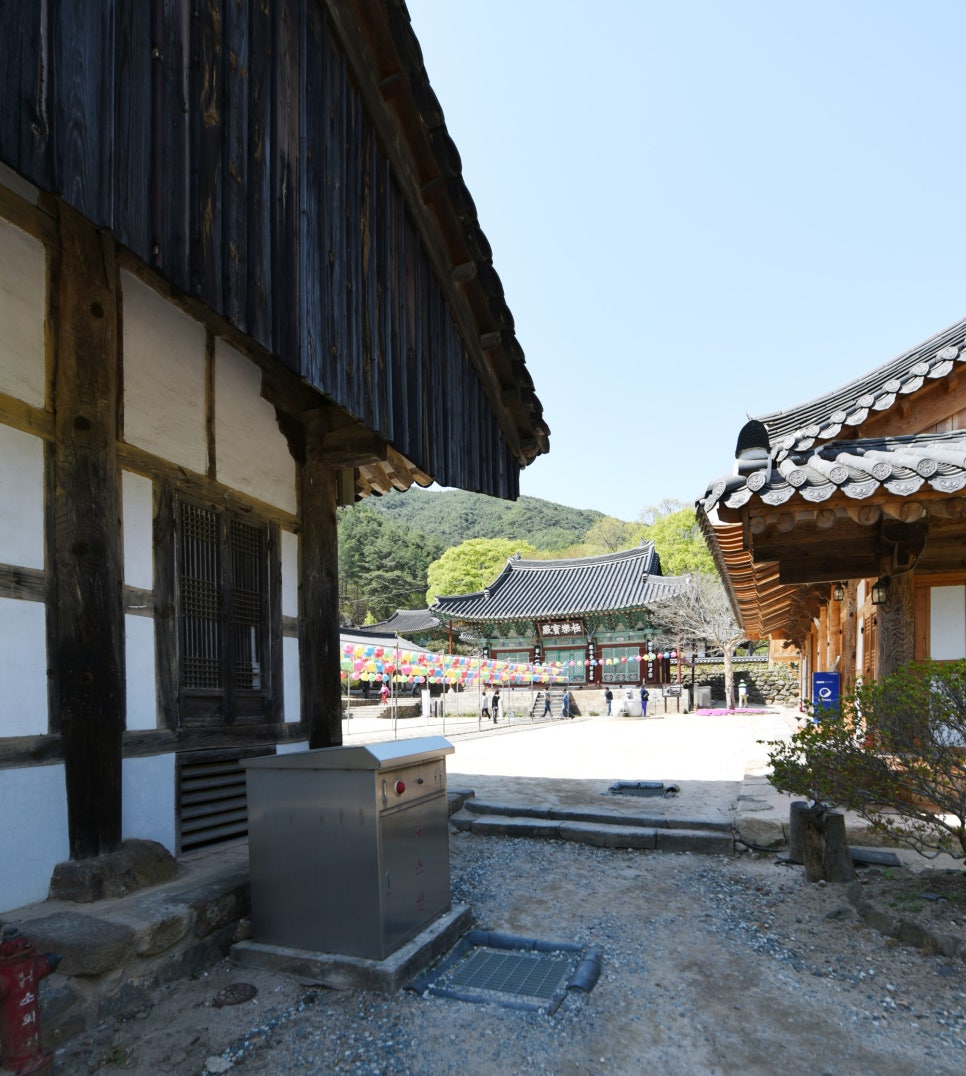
(319, 655)
(825, 848)
(849, 621)
(796, 840)
(86, 567)
(894, 627)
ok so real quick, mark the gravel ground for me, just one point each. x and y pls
(711, 965)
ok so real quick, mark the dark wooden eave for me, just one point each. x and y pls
(387, 63)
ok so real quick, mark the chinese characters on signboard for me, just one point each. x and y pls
(561, 628)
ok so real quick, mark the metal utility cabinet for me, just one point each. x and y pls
(349, 846)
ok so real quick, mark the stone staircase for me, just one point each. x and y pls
(556, 703)
(601, 828)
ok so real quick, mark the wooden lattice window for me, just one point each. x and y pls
(201, 598)
(248, 603)
(223, 615)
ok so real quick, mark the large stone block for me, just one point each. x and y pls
(87, 945)
(133, 866)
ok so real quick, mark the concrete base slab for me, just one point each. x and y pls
(343, 972)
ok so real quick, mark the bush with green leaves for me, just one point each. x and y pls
(893, 751)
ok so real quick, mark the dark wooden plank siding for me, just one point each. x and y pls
(237, 35)
(209, 143)
(24, 120)
(314, 309)
(226, 145)
(286, 151)
(132, 144)
(174, 119)
(258, 193)
(82, 61)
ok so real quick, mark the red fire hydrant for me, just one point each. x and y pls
(21, 969)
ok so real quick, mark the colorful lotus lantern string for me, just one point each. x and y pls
(376, 663)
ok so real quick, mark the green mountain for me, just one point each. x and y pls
(452, 516)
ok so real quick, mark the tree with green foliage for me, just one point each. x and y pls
(471, 565)
(893, 751)
(610, 535)
(382, 567)
(679, 541)
(451, 516)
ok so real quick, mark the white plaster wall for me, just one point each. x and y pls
(290, 574)
(141, 702)
(947, 623)
(290, 679)
(164, 378)
(23, 670)
(21, 498)
(147, 799)
(251, 453)
(23, 300)
(291, 748)
(138, 515)
(33, 837)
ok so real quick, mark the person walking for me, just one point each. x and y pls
(645, 695)
(547, 711)
(565, 711)
(496, 706)
(608, 698)
(384, 694)
(485, 707)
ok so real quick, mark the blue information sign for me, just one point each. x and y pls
(825, 691)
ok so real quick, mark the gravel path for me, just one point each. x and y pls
(711, 965)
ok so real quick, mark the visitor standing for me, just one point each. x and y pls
(496, 706)
(645, 695)
(485, 706)
(608, 698)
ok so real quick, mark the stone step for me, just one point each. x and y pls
(596, 815)
(616, 832)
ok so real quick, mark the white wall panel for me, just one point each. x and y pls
(292, 748)
(164, 378)
(21, 498)
(142, 702)
(23, 300)
(23, 669)
(251, 453)
(138, 512)
(33, 837)
(290, 574)
(290, 679)
(148, 800)
(947, 623)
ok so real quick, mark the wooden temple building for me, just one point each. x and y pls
(842, 527)
(242, 282)
(588, 614)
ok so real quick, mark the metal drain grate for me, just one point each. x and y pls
(517, 973)
(534, 976)
(643, 789)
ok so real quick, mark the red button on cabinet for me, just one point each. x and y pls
(400, 787)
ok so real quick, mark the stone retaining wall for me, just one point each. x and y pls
(767, 684)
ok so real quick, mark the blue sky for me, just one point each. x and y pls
(703, 210)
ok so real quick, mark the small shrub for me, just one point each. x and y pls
(893, 751)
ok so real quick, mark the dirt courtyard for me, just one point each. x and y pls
(710, 965)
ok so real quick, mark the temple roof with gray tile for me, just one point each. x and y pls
(612, 583)
(370, 637)
(860, 470)
(407, 622)
(835, 413)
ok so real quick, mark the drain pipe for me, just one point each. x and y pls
(587, 972)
